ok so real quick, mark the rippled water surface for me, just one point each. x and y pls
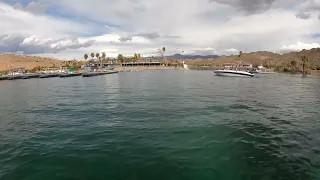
(161, 125)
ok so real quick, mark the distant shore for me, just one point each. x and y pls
(141, 68)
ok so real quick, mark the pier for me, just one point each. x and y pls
(65, 75)
(61, 75)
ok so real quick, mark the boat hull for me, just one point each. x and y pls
(233, 73)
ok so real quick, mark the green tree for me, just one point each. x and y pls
(135, 57)
(86, 56)
(120, 58)
(305, 61)
(293, 63)
(97, 55)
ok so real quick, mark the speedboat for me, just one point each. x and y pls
(236, 73)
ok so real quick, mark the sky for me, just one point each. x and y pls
(68, 29)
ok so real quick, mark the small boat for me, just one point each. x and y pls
(226, 72)
(261, 70)
(108, 68)
(185, 66)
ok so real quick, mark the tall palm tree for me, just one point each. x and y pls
(86, 57)
(162, 51)
(97, 55)
(92, 56)
(304, 64)
(103, 58)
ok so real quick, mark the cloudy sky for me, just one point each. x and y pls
(67, 29)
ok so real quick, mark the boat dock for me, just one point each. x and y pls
(48, 75)
(69, 75)
(61, 75)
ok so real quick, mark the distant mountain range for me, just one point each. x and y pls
(179, 56)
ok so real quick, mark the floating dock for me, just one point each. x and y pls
(4, 78)
(48, 75)
(91, 74)
(14, 77)
(69, 75)
(61, 75)
(30, 76)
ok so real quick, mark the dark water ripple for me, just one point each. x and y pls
(161, 125)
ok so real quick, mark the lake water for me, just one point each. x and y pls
(161, 125)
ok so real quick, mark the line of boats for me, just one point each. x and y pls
(51, 75)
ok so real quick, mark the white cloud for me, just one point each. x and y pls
(142, 26)
(15, 21)
(33, 7)
(302, 15)
(201, 51)
(299, 46)
(232, 50)
(310, 5)
(33, 44)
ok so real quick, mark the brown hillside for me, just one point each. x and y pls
(8, 61)
(265, 58)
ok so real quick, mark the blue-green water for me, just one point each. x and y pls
(161, 125)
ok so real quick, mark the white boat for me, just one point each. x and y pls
(185, 66)
(110, 68)
(235, 73)
(261, 70)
